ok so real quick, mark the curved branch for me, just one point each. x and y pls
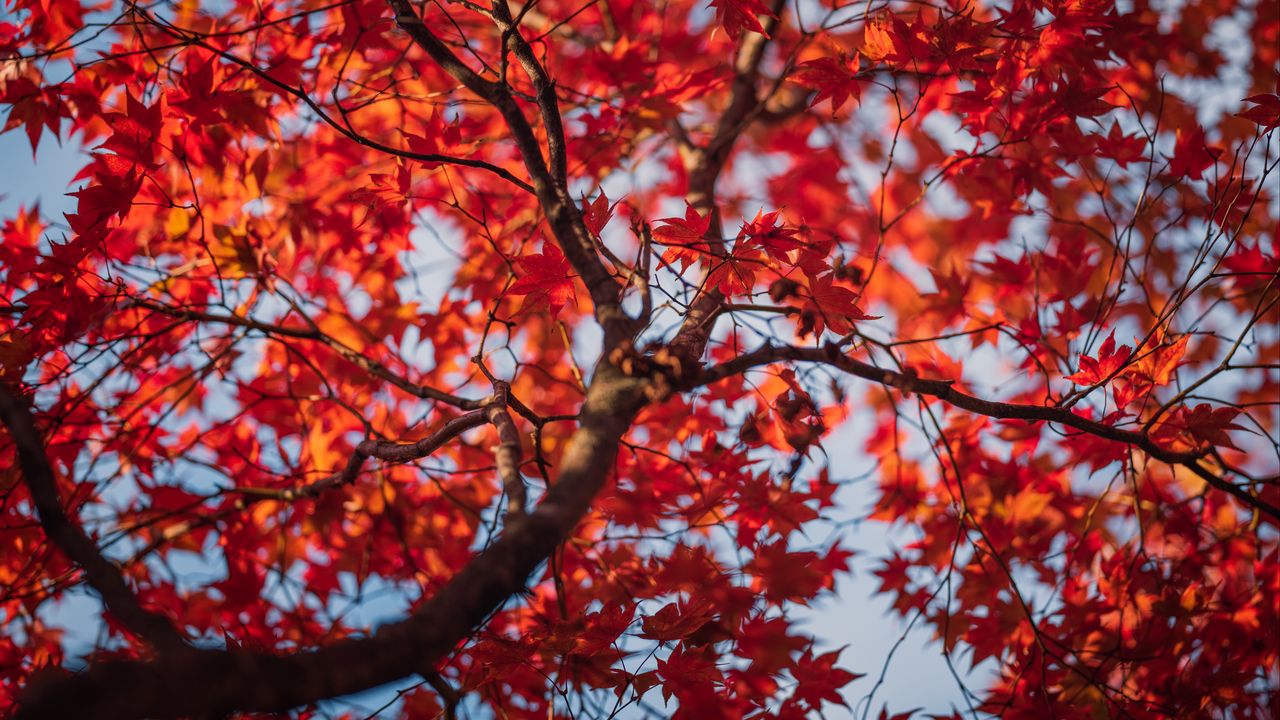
(373, 367)
(943, 390)
(507, 453)
(544, 91)
(209, 683)
(704, 165)
(564, 217)
(188, 37)
(386, 451)
(72, 540)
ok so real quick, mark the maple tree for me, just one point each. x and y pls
(541, 318)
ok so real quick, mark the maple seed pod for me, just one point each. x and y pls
(783, 288)
(799, 440)
(790, 407)
(808, 321)
(852, 273)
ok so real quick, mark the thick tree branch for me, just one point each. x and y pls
(206, 683)
(68, 536)
(544, 90)
(944, 390)
(563, 215)
(704, 165)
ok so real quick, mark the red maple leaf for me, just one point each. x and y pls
(1110, 359)
(878, 43)
(1192, 154)
(677, 621)
(819, 681)
(1192, 428)
(438, 138)
(833, 77)
(546, 279)
(738, 15)
(685, 237)
(1124, 149)
(830, 306)
(1158, 366)
(1266, 110)
(777, 241)
(596, 214)
(1251, 266)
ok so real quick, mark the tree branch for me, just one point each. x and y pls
(704, 166)
(72, 540)
(544, 90)
(196, 39)
(943, 390)
(563, 215)
(207, 683)
(507, 452)
(386, 451)
(373, 367)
